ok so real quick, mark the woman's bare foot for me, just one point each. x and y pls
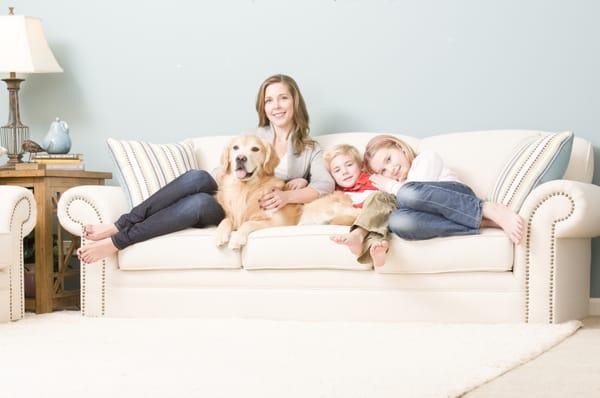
(510, 222)
(99, 231)
(378, 251)
(97, 250)
(353, 240)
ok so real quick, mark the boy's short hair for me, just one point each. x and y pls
(342, 149)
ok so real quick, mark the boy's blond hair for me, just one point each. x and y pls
(342, 149)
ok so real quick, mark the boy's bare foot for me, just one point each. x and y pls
(99, 231)
(510, 222)
(353, 240)
(378, 251)
(97, 250)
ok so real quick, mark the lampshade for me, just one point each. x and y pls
(23, 47)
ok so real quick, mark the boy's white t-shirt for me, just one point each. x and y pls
(427, 166)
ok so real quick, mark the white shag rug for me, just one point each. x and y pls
(65, 355)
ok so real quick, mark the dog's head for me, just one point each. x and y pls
(248, 157)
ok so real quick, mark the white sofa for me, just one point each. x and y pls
(297, 273)
(17, 219)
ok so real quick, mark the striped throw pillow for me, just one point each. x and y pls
(144, 168)
(540, 159)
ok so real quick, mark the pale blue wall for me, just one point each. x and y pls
(166, 70)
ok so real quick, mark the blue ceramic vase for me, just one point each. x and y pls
(57, 140)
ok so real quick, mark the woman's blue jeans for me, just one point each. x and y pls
(435, 209)
(185, 202)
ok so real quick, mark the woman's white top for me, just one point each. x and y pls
(281, 171)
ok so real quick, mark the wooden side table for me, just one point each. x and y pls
(47, 186)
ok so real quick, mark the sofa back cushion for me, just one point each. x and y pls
(359, 140)
(478, 158)
(143, 168)
(208, 150)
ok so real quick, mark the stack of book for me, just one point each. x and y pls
(68, 161)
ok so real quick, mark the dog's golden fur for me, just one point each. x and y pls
(335, 208)
(248, 164)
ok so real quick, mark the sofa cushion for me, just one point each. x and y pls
(537, 160)
(299, 247)
(192, 248)
(491, 250)
(309, 247)
(144, 168)
(358, 140)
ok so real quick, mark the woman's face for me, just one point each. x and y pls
(279, 105)
(390, 162)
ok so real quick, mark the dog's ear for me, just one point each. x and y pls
(225, 164)
(271, 159)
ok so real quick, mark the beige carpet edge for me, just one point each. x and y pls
(570, 327)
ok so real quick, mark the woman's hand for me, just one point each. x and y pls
(274, 200)
(380, 181)
(296, 183)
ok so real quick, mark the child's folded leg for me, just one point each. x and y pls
(375, 213)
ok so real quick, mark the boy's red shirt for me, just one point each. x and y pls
(362, 184)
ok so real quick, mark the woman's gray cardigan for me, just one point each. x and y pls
(308, 164)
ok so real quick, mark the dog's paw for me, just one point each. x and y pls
(237, 240)
(221, 238)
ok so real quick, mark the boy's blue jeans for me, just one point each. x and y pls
(435, 209)
(185, 202)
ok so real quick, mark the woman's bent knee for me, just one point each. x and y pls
(210, 211)
(201, 180)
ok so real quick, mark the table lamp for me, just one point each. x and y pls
(23, 49)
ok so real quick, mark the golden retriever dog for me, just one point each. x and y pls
(249, 173)
(335, 208)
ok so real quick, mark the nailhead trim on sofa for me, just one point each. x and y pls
(10, 287)
(83, 264)
(552, 254)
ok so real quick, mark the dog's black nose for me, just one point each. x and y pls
(241, 158)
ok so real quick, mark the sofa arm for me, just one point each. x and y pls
(553, 259)
(17, 218)
(93, 204)
(571, 206)
(90, 204)
(17, 210)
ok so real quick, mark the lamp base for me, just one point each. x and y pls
(14, 133)
(13, 160)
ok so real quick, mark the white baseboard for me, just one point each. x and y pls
(595, 306)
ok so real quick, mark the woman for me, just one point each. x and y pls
(188, 200)
(283, 121)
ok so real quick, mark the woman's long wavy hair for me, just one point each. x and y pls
(300, 130)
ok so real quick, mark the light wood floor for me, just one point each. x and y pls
(570, 370)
